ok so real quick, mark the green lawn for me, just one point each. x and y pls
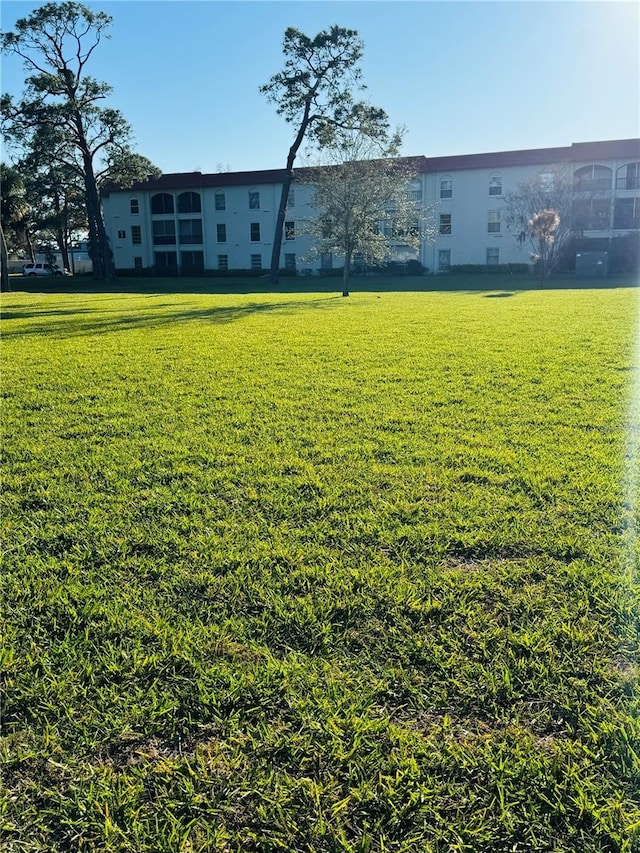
(293, 572)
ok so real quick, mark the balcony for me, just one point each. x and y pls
(629, 183)
(592, 185)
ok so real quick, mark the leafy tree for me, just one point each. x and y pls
(55, 190)
(60, 111)
(545, 191)
(364, 202)
(13, 215)
(314, 93)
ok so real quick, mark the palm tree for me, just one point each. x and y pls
(14, 212)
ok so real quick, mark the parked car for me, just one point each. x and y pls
(43, 269)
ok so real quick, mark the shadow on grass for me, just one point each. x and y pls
(146, 319)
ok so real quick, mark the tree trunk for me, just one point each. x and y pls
(5, 284)
(99, 248)
(345, 273)
(274, 269)
(274, 272)
(62, 247)
(29, 242)
(61, 232)
(103, 269)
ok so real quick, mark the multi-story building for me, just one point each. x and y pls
(192, 222)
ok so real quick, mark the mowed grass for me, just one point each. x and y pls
(292, 572)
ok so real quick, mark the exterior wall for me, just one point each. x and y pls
(470, 241)
(233, 240)
(469, 206)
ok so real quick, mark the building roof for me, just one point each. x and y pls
(577, 152)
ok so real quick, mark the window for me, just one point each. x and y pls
(221, 201)
(221, 232)
(592, 178)
(444, 259)
(445, 223)
(289, 231)
(192, 262)
(166, 260)
(326, 261)
(136, 235)
(493, 257)
(189, 203)
(493, 222)
(190, 231)
(414, 195)
(122, 235)
(254, 201)
(256, 262)
(223, 262)
(290, 261)
(547, 181)
(164, 233)
(291, 198)
(386, 228)
(137, 263)
(628, 177)
(626, 214)
(446, 187)
(162, 203)
(134, 205)
(495, 185)
(255, 232)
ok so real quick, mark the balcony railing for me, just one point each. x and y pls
(592, 185)
(628, 183)
(626, 223)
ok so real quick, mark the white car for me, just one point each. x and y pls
(43, 269)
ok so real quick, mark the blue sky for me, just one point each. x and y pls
(463, 77)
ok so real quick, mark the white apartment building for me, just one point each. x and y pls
(190, 222)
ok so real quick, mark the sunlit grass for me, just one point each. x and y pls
(294, 572)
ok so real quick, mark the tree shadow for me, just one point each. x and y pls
(23, 314)
(58, 327)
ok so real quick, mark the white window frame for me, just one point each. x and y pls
(494, 218)
(442, 225)
(495, 185)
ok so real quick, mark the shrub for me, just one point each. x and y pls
(482, 269)
(624, 254)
